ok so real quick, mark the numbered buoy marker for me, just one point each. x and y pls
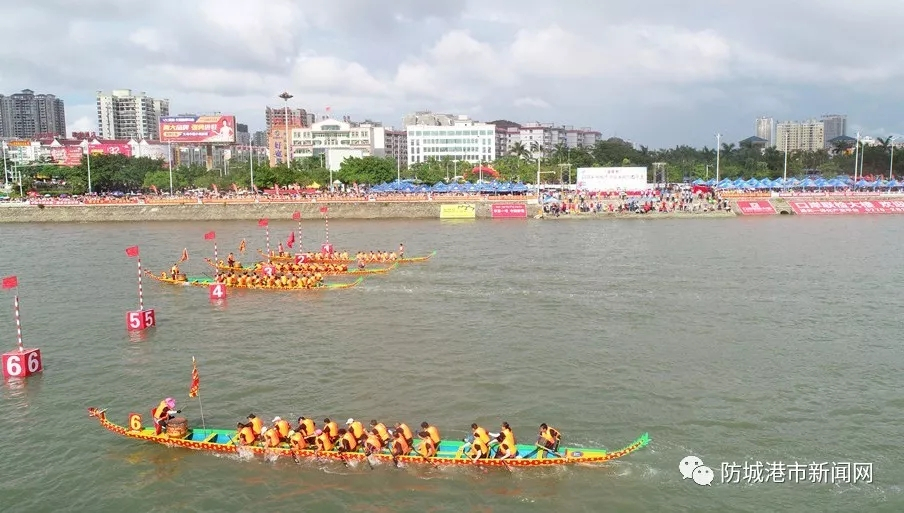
(141, 319)
(216, 291)
(22, 364)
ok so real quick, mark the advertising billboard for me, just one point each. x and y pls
(111, 149)
(459, 211)
(69, 156)
(612, 179)
(508, 211)
(198, 129)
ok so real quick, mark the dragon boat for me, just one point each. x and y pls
(450, 452)
(333, 258)
(316, 269)
(206, 281)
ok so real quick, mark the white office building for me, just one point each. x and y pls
(800, 135)
(339, 138)
(461, 140)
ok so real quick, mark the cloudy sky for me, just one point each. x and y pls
(657, 72)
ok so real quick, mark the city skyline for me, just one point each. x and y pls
(661, 80)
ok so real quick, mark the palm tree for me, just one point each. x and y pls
(520, 151)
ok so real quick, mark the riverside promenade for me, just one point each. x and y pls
(142, 209)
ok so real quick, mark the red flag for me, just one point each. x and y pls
(184, 255)
(132, 251)
(10, 282)
(210, 236)
(242, 246)
(291, 240)
(263, 222)
(296, 215)
(323, 209)
(195, 380)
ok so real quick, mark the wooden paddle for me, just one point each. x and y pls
(547, 449)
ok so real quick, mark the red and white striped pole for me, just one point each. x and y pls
(326, 224)
(216, 258)
(297, 216)
(140, 290)
(18, 322)
(268, 239)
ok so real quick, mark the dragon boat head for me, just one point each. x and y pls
(100, 414)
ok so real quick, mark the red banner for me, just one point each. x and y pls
(508, 211)
(69, 156)
(756, 208)
(847, 207)
(111, 149)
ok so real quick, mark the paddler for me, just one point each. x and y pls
(508, 447)
(478, 432)
(479, 448)
(174, 271)
(282, 426)
(162, 413)
(297, 441)
(331, 429)
(406, 432)
(429, 440)
(549, 437)
(356, 429)
(400, 446)
(271, 438)
(230, 260)
(374, 443)
(257, 425)
(361, 263)
(245, 433)
(323, 440)
(306, 427)
(401, 250)
(347, 441)
(380, 429)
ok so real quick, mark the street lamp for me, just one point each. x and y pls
(718, 154)
(5, 169)
(169, 148)
(88, 149)
(286, 96)
(251, 163)
(785, 173)
(891, 160)
(856, 155)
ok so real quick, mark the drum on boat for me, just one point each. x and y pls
(177, 427)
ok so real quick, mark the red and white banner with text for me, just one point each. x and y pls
(847, 207)
(756, 208)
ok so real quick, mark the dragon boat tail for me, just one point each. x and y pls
(450, 452)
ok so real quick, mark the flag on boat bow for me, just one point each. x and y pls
(242, 246)
(184, 255)
(195, 379)
(291, 240)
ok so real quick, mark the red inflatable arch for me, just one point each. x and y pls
(486, 170)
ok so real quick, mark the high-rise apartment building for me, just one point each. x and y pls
(765, 129)
(800, 135)
(396, 142)
(835, 125)
(123, 115)
(26, 115)
(259, 138)
(276, 118)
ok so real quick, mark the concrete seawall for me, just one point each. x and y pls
(228, 212)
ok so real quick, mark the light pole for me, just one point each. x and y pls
(891, 160)
(251, 163)
(398, 168)
(169, 147)
(286, 97)
(88, 148)
(5, 169)
(862, 156)
(785, 173)
(718, 154)
(856, 156)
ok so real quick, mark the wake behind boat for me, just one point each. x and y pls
(449, 452)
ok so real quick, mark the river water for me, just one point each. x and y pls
(751, 339)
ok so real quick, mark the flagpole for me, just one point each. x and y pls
(197, 391)
(201, 407)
